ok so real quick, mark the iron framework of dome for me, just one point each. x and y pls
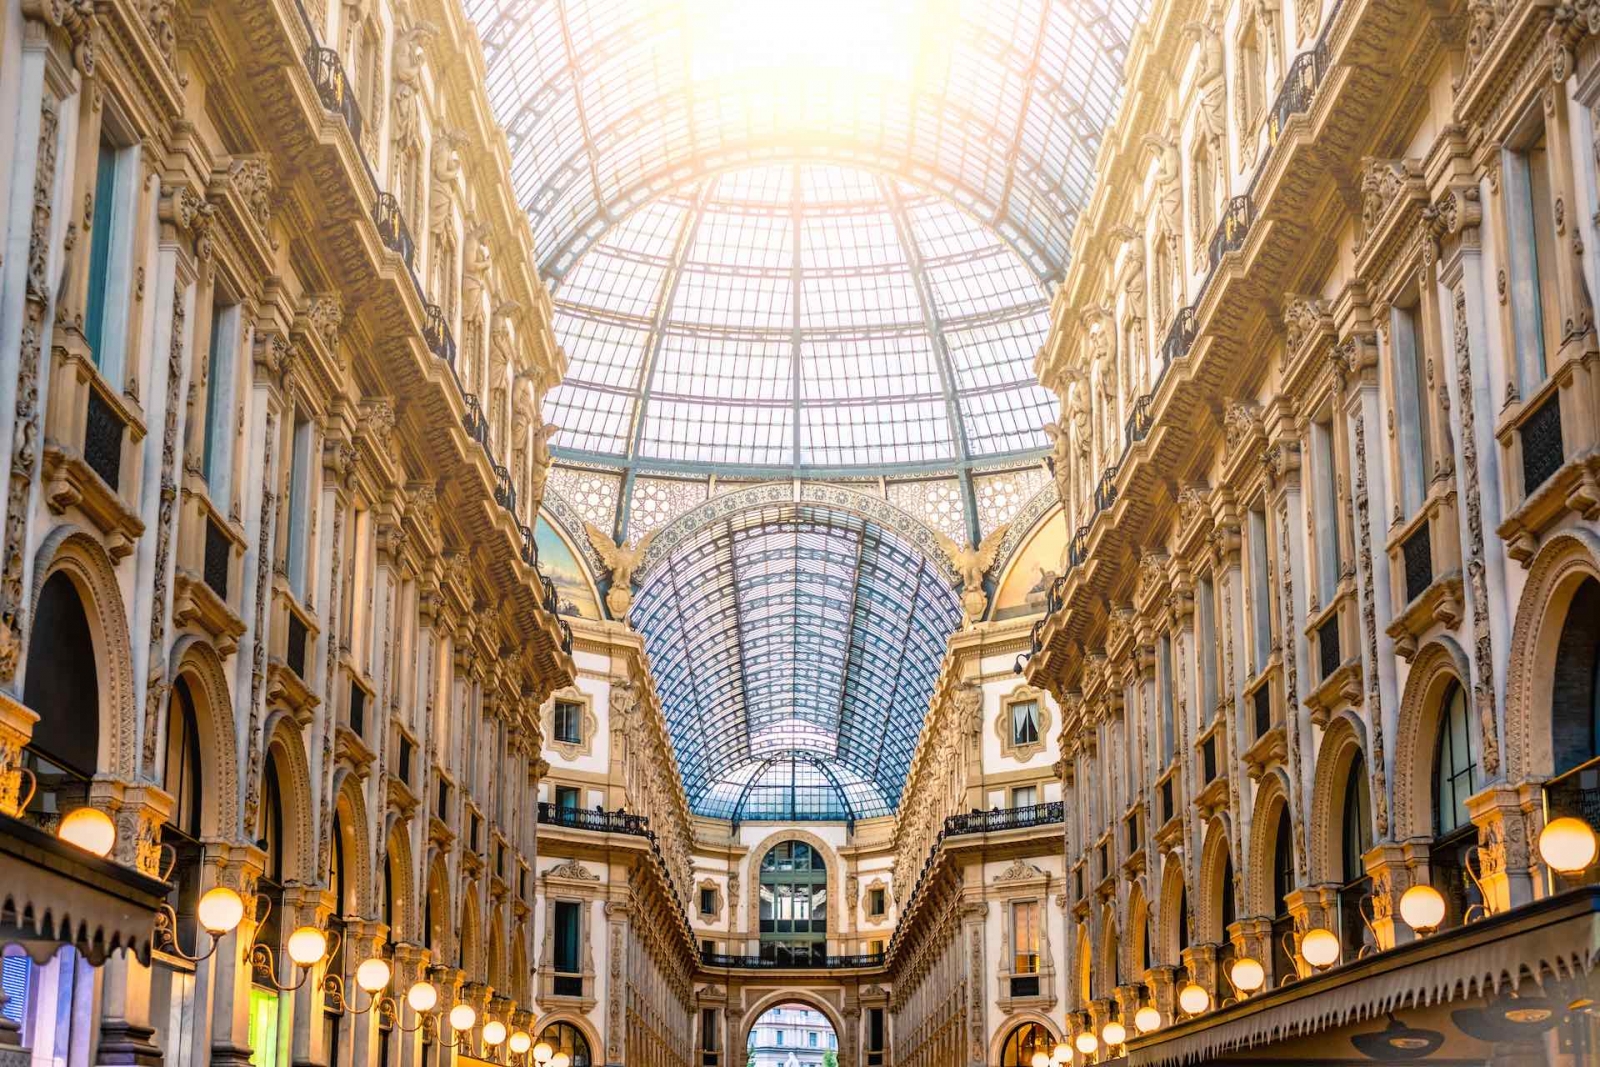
(795, 649)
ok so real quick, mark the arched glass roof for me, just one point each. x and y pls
(791, 316)
(795, 649)
(997, 104)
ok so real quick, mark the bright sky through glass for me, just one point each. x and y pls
(769, 39)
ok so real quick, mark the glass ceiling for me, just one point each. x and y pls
(795, 649)
(998, 105)
(800, 316)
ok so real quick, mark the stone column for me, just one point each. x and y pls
(238, 867)
(616, 957)
(363, 939)
(1253, 937)
(973, 916)
(305, 905)
(1394, 868)
(1163, 983)
(1505, 860)
(125, 1030)
(1201, 961)
(410, 967)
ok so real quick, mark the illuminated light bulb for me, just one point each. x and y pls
(462, 1016)
(1193, 999)
(1567, 844)
(1113, 1033)
(1422, 907)
(89, 829)
(307, 945)
(561, 1059)
(1061, 1054)
(1248, 975)
(220, 910)
(520, 1042)
(422, 997)
(1319, 947)
(1147, 1020)
(494, 1032)
(1040, 1059)
(542, 1052)
(1087, 1043)
(372, 975)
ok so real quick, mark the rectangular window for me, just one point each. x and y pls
(1025, 796)
(1208, 647)
(263, 1027)
(569, 722)
(567, 797)
(299, 511)
(875, 902)
(708, 1029)
(1412, 409)
(1260, 592)
(569, 923)
(1325, 517)
(106, 300)
(1025, 937)
(1536, 317)
(708, 902)
(1168, 720)
(217, 450)
(1025, 723)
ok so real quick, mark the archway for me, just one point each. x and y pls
(792, 1034)
(1024, 1041)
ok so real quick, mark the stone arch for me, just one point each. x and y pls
(1137, 941)
(1342, 742)
(1110, 946)
(1169, 909)
(294, 787)
(1083, 980)
(1558, 569)
(497, 954)
(71, 551)
(829, 856)
(1437, 664)
(437, 915)
(402, 873)
(1214, 856)
(1272, 797)
(196, 660)
(804, 997)
(579, 1022)
(350, 805)
(1010, 1024)
(471, 936)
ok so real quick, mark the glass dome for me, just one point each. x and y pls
(800, 317)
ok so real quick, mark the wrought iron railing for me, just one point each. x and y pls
(436, 332)
(605, 822)
(1542, 450)
(812, 962)
(392, 228)
(1231, 231)
(1138, 425)
(529, 545)
(505, 492)
(102, 439)
(1180, 337)
(1298, 90)
(1055, 596)
(333, 87)
(1328, 652)
(219, 550)
(472, 419)
(1078, 547)
(1417, 552)
(997, 819)
(1105, 491)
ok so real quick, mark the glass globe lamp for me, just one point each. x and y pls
(561, 1059)
(1567, 845)
(1062, 1053)
(1248, 975)
(1193, 999)
(542, 1052)
(220, 911)
(1319, 947)
(89, 829)
(520, 1042)
(1147, 1020)
(1422, 907)
(422, 997)
(1113, 1033)
(307, 945)
(1040, 1059)
(1086, 1043)
(462, 1017)
(494, 1032)
(372, 975)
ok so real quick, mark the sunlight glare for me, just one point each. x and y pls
(867, 40)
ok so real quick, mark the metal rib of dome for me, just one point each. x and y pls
(800, 317)
(997, 104)
(795, 647)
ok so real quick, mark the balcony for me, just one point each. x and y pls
(473, 420)
(1138, 425)
(530, 546)
(1078, 548)
(601, 822)
(333, 87)
(1232, 230)
(1105, 491)
(1298, 91)
(810, 963)
(505, 493)
(998, 819)
(1180, 337)
(436, 332)
(392, 228)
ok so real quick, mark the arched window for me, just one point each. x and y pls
(1228, 915)
(181, 774)
(1183, 919)
(1022, 1043)
(66, 740)
(794, 903)
(1283, 965)
(1204, 177)
(564, 1037)
(1455, 764)
(1355, 838)
(1575, 691)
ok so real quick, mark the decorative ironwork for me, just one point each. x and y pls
(530, 545)
(1262, 699)
(1542, 450)
(1299, 89)
(1055, 596)
(1232, 229)
(1138, 425)
(436, 332)
(997, 819)
(505, 493)
(1328, 652)
(1180, 337)
(1417, 550)
(333, 87)
(604, 822)
(392, 227)
(219, 550)
(1078, 548)
(473, 419)
(801, 961)
(102, 439)
(295, 654)
(1105, 492)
